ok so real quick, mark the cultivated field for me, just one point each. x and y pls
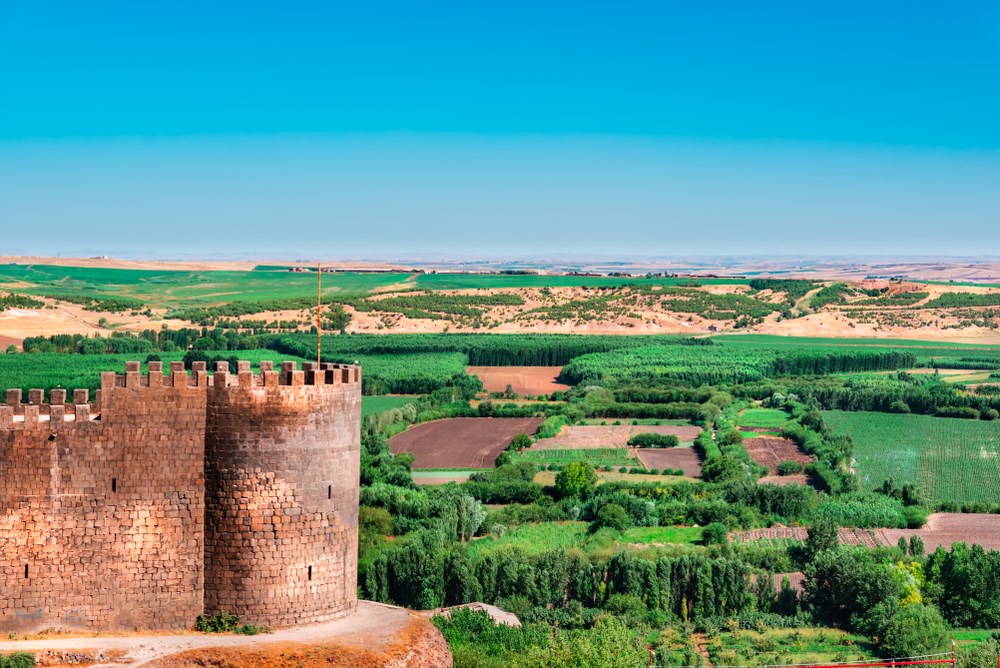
(522, 379)
(942, 529)
(762, 418)
(685, 459)
(616, 436)
(460, 442)
(770, 452)
(948, 458)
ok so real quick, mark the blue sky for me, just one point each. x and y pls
(515, 127)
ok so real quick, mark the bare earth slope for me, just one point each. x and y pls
(376, 636)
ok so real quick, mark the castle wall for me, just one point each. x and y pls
(282, 470)
(102, 520)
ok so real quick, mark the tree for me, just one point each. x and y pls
(914, 631)
(843, 585)
(726, 469)
(715, 533)
(520, 442)
(823, 535)
(470, 517)
(11, 349)
(612, 516)
(916, 546)
(576, 479)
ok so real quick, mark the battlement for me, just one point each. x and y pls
(16, 414)
(288, 374)
(172, 493)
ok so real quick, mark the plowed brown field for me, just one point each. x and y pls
(942, 529)
(522, 379)
(460, 442)
(770, 452)
(685, 459)
(616, 436)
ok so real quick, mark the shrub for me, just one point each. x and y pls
(520, 442)
(915, 630)
(654, 471)
(576, 479)
(612, 516)
(17, 660)
(790, 468)
(654, 441)
(223, 622)
(623, 469)
(715, 533)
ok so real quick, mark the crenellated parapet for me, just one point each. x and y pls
(36, 412)
(171, 493)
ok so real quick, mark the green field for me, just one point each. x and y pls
(596, 456)
(949, 459)
(375, 405)
(666, 535)
(762, 417)
(163, 288)
(66, 370)
(500, 281)
(783, 646)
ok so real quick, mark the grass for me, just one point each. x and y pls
(763, 417)
(596, 456)
(549, 478)
(608, 422)
(675, 535)
(783, 646)
(70, 371)
(948, 458)
(544, 536)
(504, 281)
(162, 288)
(375, 405)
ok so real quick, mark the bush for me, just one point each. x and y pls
(913, 631)
(576, 479)
(612, 516)
(790, 468)
(715, 533)
(916, 516)
(623, 469)
(17, 660)
(654, 441)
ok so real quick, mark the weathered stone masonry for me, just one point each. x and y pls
(174, 495)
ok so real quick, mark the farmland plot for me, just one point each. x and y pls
(460, 442)
(770, 452)
(941, 530)
(616, 436)
(521, 379)
(948, 458)
(684, 459)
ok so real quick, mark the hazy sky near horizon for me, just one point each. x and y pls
(662, 127)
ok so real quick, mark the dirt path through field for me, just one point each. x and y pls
(942, 529)
(373, 627)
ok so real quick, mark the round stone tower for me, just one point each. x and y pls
(282, 465)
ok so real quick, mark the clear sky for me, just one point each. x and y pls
(505, 127)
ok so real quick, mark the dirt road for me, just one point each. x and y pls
(373, 628)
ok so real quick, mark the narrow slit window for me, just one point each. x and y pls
(114, 484)
(310, 572)
(329, 491)
(26, 570)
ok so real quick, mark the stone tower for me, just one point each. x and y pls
(281, 493)
(172, 495)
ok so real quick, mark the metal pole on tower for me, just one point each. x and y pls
(319, 310)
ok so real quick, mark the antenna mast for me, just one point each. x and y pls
(319, 311)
